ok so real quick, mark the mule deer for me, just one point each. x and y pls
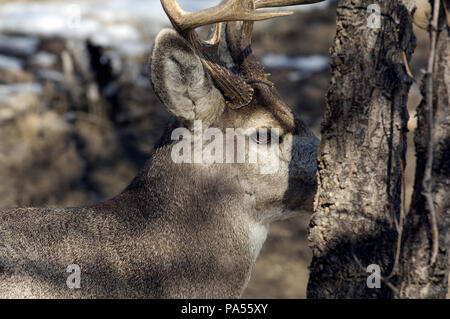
(178, 230)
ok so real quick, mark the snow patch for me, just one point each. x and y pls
(311, 64)
(10, 63)
(8, 89)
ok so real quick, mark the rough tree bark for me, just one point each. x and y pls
(362, 155)
(418, 278)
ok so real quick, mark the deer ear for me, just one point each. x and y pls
(181, 82)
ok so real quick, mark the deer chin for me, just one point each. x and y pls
(301, 203)
(282, 211)
(287, 213)
(293, 205)
(292, 213)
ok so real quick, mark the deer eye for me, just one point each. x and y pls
(263, 136)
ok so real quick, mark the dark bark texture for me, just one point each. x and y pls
(418, 278)
(362, 153)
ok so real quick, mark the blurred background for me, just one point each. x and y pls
(78, 116)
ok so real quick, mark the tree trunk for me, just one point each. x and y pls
(418, 278)
(362, 155)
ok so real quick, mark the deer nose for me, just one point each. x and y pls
(304, 159)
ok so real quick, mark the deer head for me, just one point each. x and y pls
(222, 83)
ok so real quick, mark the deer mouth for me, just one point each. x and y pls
(300, 196)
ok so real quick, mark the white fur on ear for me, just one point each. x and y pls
(180, 80)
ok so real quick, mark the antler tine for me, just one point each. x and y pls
(229, 10)
(282, 3)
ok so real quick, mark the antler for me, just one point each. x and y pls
(236, 87)
(230, 10)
